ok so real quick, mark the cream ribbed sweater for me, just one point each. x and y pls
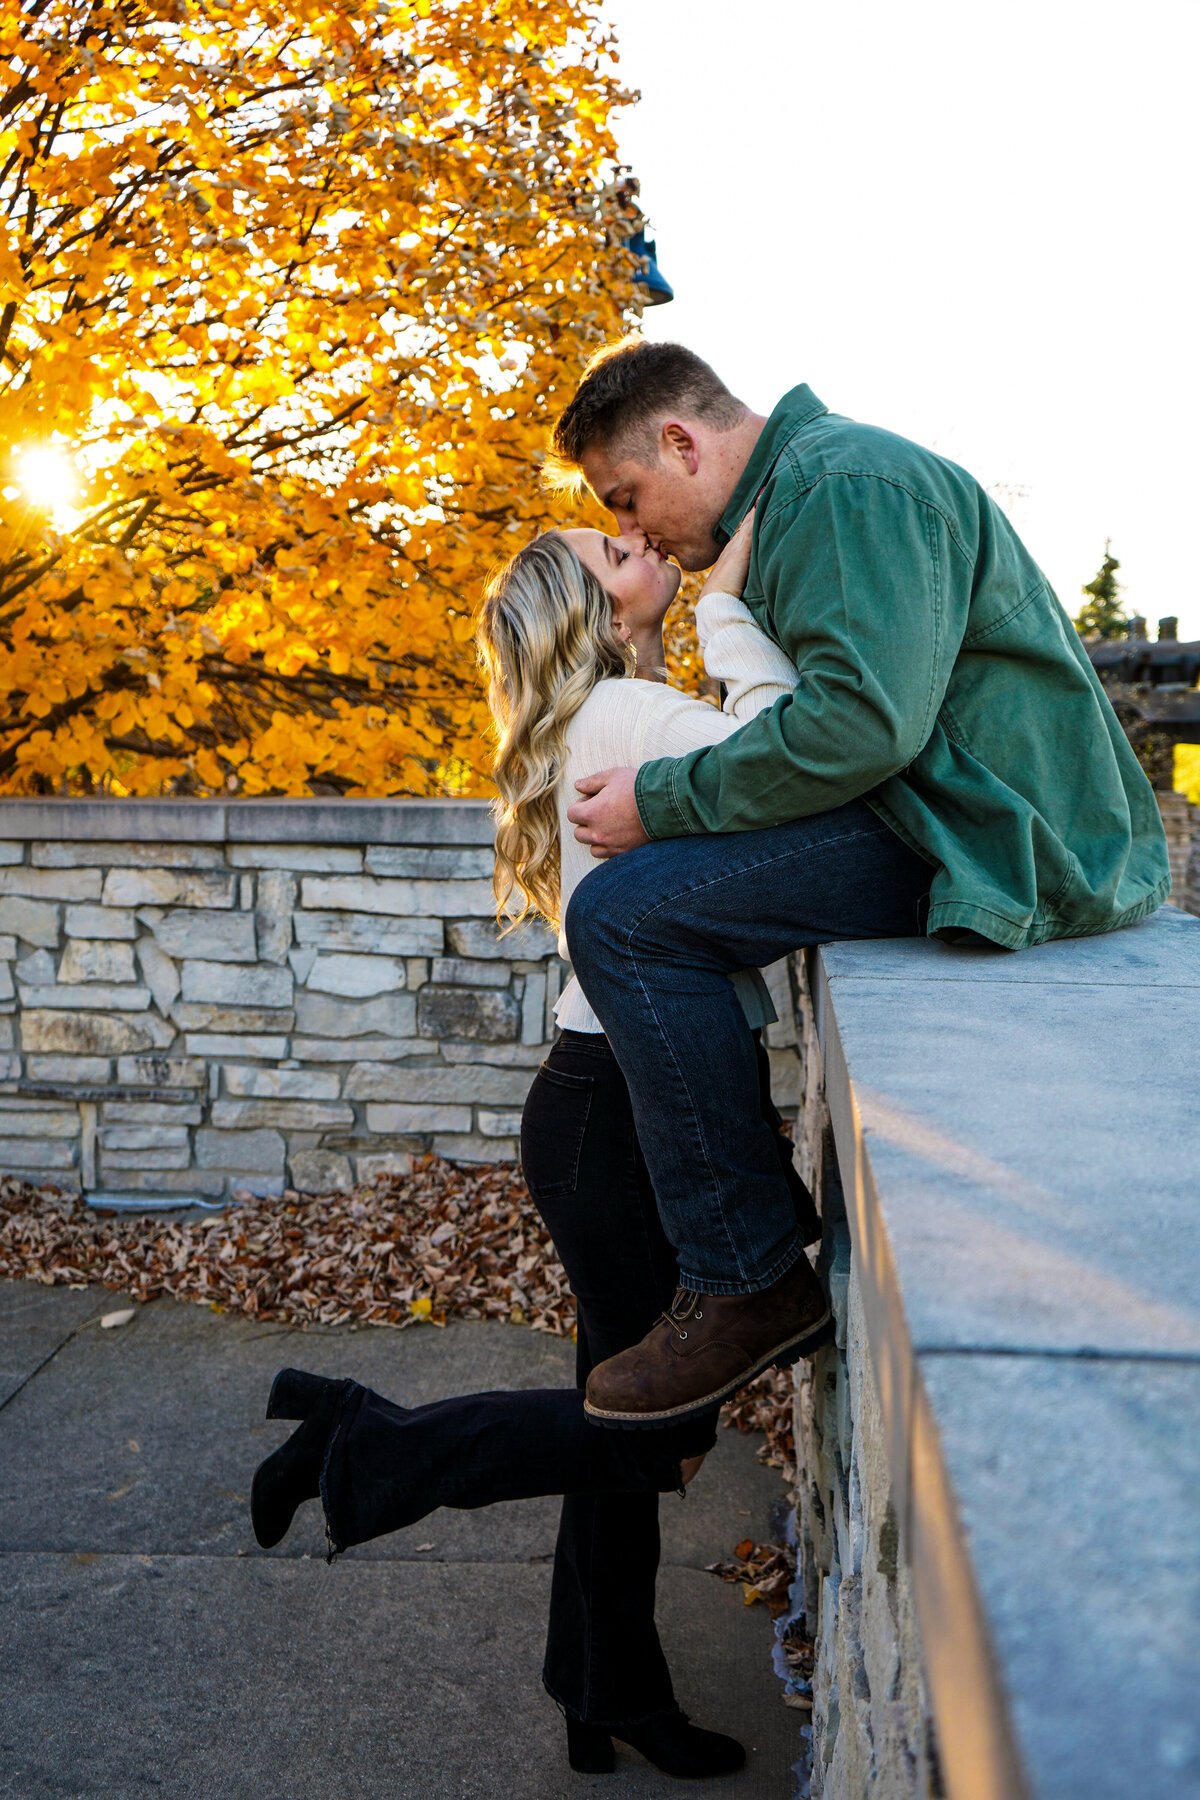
(623, 724)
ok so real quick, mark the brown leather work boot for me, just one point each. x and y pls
(706, 1347)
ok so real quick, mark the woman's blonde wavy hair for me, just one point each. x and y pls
(545, 636)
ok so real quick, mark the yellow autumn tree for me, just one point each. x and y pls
(289, 295)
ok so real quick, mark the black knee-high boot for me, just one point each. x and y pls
(377, 1466)
(386, 1467)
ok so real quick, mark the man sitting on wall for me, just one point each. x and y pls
(947, 764)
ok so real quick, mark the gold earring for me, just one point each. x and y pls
(632, 648)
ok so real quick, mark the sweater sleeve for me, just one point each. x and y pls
(626, 723)
(755, 671)
(623, 723)
(654, 720)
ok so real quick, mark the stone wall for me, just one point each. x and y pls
(1181, 821)
(872, 1732)
(1016, 1366)
(197, 997)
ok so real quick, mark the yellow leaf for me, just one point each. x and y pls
(294, 503)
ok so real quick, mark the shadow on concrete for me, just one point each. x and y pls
(150, 1648)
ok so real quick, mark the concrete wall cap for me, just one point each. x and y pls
(1016, 1140)
(313, 821)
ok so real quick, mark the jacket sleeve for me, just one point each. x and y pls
(852, 579)
(738, 653)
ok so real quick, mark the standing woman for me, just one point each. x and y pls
(562, 627)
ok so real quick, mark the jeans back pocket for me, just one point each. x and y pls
(552, 1127)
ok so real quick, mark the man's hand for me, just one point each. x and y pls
(607, 817)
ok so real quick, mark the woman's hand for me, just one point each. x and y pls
(728, 574)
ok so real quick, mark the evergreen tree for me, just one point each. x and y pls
(1103, 615)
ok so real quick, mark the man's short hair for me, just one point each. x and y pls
(625, 391)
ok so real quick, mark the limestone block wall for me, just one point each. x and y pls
(198, 997)
(1014, 1370)
(872, 1735)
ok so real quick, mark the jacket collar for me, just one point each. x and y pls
(797, 408)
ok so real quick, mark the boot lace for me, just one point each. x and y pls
(684, 1307)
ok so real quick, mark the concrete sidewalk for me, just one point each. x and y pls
(149, 1648)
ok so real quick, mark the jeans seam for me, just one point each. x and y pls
(733, 1253)
(694, 1110)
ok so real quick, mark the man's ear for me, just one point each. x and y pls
(678, 444)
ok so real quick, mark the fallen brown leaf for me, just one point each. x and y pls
(766, 1406)
(314, 1259)
(766, 1571)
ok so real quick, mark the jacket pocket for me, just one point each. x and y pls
(552, 1129)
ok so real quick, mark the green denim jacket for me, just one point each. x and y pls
(939, 680)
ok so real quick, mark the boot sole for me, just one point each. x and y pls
(782, 1356)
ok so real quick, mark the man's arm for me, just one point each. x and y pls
(738, 653)
(856, 588)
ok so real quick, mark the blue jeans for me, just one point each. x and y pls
(653, 937)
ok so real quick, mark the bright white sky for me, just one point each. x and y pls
(973, 223)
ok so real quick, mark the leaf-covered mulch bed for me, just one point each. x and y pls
(446, 1241)
(408, 1249)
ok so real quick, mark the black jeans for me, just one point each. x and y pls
(589, 1180)
(387, 1466)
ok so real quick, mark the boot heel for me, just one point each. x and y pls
(294, 1394)
(589, 1749)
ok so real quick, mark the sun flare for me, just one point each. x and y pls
(48, 479)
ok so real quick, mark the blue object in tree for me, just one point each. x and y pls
(650, 277)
